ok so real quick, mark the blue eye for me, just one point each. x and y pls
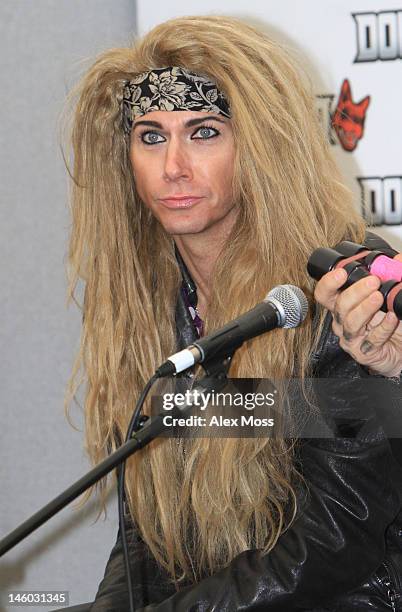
(151, 138)
(206, 133)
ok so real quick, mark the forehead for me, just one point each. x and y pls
(178, 117)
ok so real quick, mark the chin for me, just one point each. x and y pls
(182, 229)
(186, 232)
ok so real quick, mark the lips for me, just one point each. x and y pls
(184, 201)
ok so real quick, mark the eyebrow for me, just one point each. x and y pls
(189, 123)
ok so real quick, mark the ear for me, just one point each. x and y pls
(363, 105)
(346, 93)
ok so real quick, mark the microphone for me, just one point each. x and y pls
(284, 306)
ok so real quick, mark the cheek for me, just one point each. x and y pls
(225, 174)
(141, 178)
(220, 171)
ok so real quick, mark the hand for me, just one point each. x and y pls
(373, 338)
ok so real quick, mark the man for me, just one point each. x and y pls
(202, 141)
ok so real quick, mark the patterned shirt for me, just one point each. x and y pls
(198, 322)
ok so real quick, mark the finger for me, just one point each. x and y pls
(376, 320)
(328, 286)
(379, 335)
(337, 328)
(398, 257)
(355, 321)
(351, 297)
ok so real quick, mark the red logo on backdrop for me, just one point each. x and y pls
(349, 117)
(345, 124)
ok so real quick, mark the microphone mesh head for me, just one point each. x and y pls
(291, 303)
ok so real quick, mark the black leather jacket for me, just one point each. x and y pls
(343, 552)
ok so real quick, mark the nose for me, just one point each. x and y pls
(177, 165)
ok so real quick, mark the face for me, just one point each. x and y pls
(183, 167)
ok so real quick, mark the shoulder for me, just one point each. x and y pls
(374, 242)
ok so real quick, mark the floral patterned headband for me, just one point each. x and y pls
(170, 89)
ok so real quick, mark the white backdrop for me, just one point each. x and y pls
(355, 40)
(43, 45)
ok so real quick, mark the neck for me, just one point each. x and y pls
(200, 253)
(200, 256)
(200, 261)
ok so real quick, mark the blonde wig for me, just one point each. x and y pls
(200, 502)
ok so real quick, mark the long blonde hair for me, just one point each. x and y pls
(199, 503)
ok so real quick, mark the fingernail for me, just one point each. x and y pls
(390, 317)
(347, 335)
(366, 347)
(340, 275)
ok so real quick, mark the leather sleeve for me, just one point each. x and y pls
(334, 545)
(148, 579)
(336, 542)
(338, 538)
(375, 242)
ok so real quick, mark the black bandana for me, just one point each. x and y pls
(170, 89)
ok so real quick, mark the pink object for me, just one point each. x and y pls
(386, 268)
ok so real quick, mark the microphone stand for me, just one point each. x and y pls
(215, 379)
